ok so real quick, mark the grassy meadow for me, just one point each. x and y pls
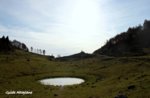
(104, 76)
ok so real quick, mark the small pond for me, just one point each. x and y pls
(62, 81)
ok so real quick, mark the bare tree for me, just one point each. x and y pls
(31, 49)
(58, 56)
(40, 51)
(44, 52)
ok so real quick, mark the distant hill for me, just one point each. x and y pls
(6, 45)
(81, 55)
(135, 41)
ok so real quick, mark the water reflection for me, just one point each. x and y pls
(62, 81)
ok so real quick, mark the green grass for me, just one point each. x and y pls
(105, 76)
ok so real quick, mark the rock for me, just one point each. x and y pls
(55, 95)
(93, 86)
(121, 96)
(131, 87)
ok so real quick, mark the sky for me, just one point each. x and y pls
(65, 27)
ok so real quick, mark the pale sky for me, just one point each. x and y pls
(68, 26)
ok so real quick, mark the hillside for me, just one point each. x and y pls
(77, 56)
(105, 77)
(135, 41)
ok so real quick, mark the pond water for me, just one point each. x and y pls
(61, 81)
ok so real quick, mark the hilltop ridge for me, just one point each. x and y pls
(135, 41)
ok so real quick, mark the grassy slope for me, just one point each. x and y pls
(104, 76)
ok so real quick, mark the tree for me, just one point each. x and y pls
(58, 56)
(5, 44)
(44, 52)
(24, 47)
(37, 51)
(31, 49)
(40, 51)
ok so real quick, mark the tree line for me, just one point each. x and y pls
(38, 51)
(5, 44)
(132, 42)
